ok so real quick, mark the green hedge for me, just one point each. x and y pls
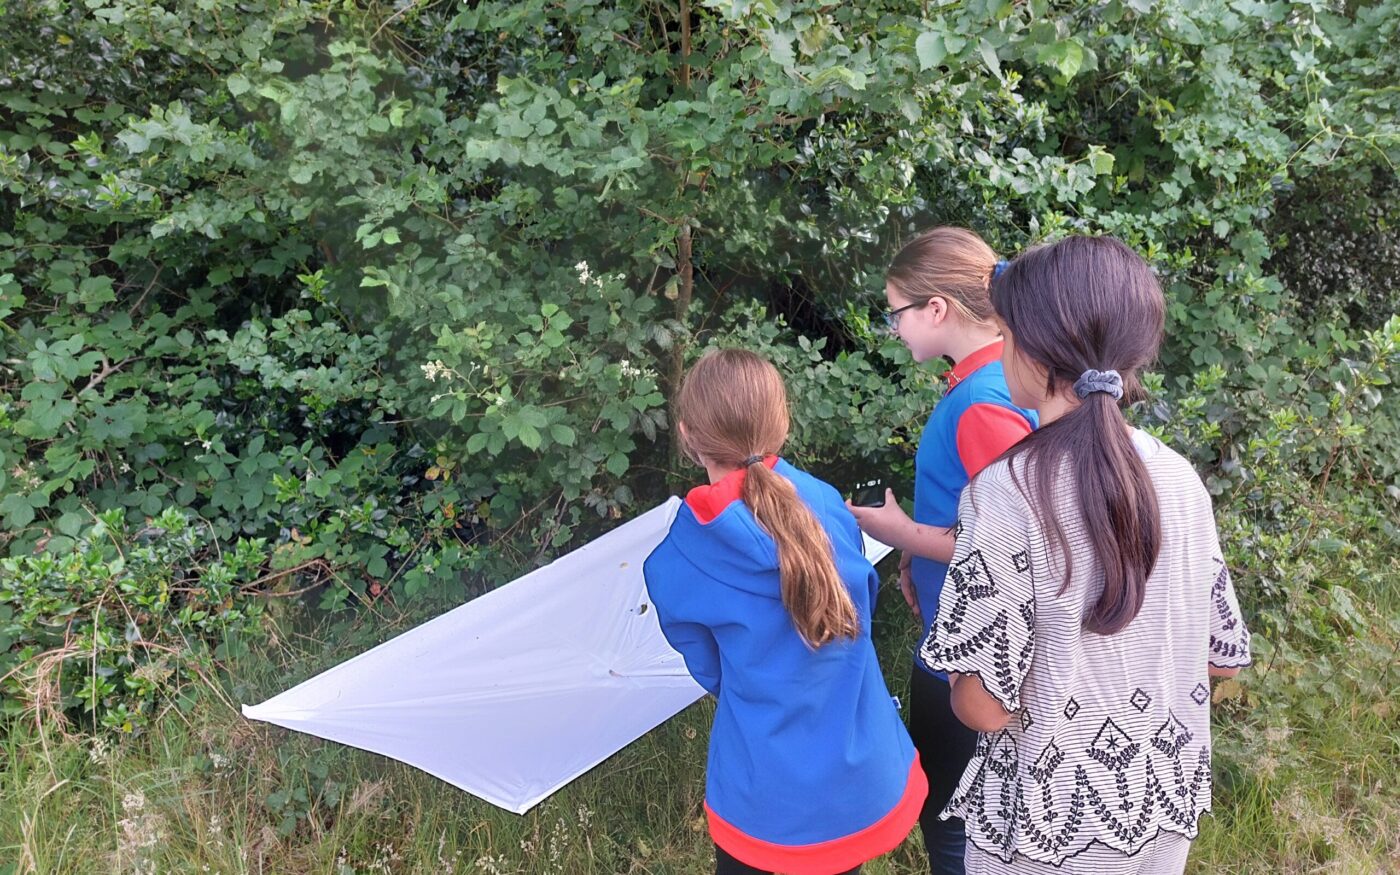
(399, 293)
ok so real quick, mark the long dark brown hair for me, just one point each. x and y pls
(1078, 304)
(733, 406)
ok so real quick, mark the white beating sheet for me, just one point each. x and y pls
(521, 690)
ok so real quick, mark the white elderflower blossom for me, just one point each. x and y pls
(434, 369)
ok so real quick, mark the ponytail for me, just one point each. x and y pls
(1114, 496)
(1089, 312)
(813, 593)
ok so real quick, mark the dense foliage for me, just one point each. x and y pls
(386, 302)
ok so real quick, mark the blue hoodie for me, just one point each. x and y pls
(810, 767)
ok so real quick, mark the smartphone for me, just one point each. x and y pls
(871, 494)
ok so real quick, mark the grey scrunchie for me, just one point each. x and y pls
(1099, 381)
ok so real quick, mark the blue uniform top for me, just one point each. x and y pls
(810, 767)
(974, 423)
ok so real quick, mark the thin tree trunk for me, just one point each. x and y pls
(685, 271)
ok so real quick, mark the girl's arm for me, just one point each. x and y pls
(985, 431)
(975, 707)
(984, 635)
(889, 524)
(696, 645)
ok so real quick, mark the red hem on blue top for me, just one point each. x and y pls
(835, 855)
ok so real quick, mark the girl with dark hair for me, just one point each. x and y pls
(939, 307)
(1088, 602)
(762, 586)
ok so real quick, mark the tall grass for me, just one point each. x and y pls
(1307, 773)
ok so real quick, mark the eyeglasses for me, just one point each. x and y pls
(892, 316)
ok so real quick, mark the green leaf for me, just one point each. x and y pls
(1101, 161)
(1066, 56)
(238, 84)
(562, 434)
(780, 49)
(989, 57)
(17, 510)
(930, 49)
(618, 464)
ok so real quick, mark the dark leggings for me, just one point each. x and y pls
(727, 865)
(945, 746)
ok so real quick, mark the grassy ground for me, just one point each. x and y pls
(1308, 778)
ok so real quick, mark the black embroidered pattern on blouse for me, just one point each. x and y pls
(1227, 651)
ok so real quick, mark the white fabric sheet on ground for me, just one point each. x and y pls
(516, 693)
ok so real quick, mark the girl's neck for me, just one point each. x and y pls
(964, 343)
(1055, 406)
(719, 472)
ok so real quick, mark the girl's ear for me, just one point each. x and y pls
(937, 309)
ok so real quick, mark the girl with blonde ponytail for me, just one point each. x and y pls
(762, 586)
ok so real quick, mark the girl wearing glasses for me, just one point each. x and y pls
(937, 288)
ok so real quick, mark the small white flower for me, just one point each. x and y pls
(434, 369)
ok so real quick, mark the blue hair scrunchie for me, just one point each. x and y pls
(1092, 381)
(1000, 268)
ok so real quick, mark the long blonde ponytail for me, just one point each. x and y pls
(734, 406)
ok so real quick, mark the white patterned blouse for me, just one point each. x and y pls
(1110, 738)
